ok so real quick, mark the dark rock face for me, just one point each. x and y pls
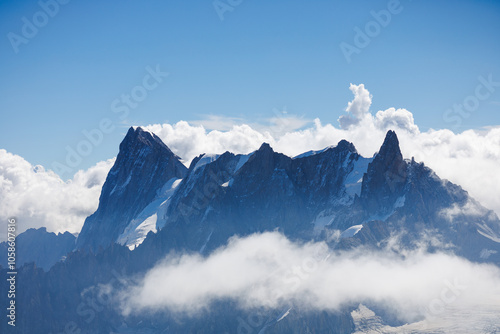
(143, 165)
(41, 247)
(407, 199)
(268, 191)
(385, 177)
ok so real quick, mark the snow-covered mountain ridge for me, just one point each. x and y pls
(311, 196)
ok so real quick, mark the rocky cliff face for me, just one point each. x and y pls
(262, 191)
(385, 177)
(142, 168)
(407, 200)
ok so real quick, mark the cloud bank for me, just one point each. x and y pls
(470, 159)
(39, 198)
(268, 270)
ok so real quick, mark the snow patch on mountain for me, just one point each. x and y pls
(354, 180)
(400, 202)
(310, 153)
(206, 159)
(176, 183)
(283, 315)
(140, 233)
(322, 220)
(351, 231)
(122, 186)
(202, 249)
(450, 319)
(243, 159)
(147, 221)
(488, 232)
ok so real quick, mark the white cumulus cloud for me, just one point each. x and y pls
(39, 198)
(358, 108)
(396, 119)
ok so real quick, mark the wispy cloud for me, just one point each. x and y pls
(218, 122)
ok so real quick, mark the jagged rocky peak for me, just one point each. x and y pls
(265, 150)
(143, 166)
(386, 175)
(389, 160)
(390, 151)
(265, 159)
(344, 145)
(142, 152)
(264, 153)
(136, 139)
(265, 147)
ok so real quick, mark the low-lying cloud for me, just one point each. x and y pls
(268, 270)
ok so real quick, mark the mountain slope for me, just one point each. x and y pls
(142, 169)
(237, 194)
(407, 200)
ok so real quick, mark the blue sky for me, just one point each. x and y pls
(264, 55)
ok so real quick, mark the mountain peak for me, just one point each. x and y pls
(265, 152)
(143, 166)
(385, 176)
(265, 147)
(138, 138)
(390, 147)
(344, 145)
